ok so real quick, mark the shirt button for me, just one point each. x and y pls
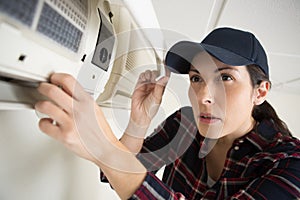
(241, 141)
(236, 148)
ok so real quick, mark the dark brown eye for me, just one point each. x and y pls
(226, 77)
(195, 79)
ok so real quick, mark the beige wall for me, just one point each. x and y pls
(35, 167)
(287, 106)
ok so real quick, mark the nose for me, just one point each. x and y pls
(205, 95)
(202, 94)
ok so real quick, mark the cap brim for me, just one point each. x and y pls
(180, 56)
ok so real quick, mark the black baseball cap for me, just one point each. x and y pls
(230, 46)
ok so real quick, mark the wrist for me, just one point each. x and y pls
(137, 130)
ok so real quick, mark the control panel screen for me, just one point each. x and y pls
(105, 44)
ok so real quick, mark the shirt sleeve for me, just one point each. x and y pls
(152, 189)
(282, 182)
(103, 178)
(164, 145)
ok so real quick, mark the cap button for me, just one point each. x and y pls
(236, 148)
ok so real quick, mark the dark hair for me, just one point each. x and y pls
(265, 111)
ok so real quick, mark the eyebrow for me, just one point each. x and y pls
(217, 70)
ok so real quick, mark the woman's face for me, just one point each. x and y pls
(221, 96)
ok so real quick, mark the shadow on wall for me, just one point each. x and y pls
(287, 108)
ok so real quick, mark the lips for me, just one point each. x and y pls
(208, 118)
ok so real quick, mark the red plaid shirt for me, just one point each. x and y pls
(263, 164)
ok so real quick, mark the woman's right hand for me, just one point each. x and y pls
(146, 100)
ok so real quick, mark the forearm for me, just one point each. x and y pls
(133, 144)
(123, 171)
(133, 137)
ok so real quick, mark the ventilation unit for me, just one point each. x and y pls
(98, 42)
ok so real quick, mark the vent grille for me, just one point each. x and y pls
(130, 61)
(75, 10)
(56, 27)
(21, 10)
(63, 21)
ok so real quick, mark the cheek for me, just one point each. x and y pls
(238, 106)
(194, 102)
(192, 96)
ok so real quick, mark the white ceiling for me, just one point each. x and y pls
(276, 23)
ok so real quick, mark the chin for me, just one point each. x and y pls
(211, 132)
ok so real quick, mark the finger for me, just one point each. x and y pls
(142, 80)
(160, 89)
(57, 95)
(54, 112)
(69, 84)
(154, 75)
(46, 126)
(148, 75)
(164, 79)
(141, 77)
(168, 72)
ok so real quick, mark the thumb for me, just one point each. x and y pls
(159, 88)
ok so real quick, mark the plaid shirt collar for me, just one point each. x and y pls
(260, 137)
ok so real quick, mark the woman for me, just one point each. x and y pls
(230, 144)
